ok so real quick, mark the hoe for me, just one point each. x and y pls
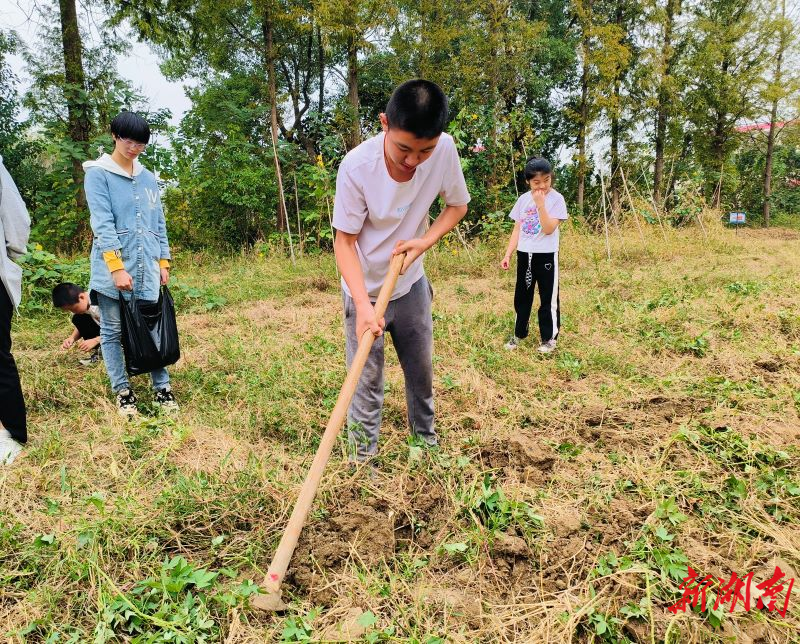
(271, 600)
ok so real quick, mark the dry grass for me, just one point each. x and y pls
(662, 433)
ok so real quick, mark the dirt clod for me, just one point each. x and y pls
(510, 546)
(358, 531)
(461, 603)
(523, 454)
(348, 629)
(562, 520)
(769, 364)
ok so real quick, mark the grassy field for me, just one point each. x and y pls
(569, 496)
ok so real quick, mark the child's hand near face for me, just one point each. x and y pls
(538, 197)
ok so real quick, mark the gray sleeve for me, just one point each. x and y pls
(14, 215)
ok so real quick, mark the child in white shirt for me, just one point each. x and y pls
(384, 189)
(538, 214)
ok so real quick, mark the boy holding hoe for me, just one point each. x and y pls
(384, 190)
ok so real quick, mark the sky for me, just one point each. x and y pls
(140, 65)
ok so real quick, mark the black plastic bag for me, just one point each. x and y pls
(149, 333)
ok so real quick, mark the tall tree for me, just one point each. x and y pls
(75, 93)
(584, 19)
(271, 41)
(667, 53)
(781, 87)
(353, 26)
(728, 64)
(614, 62)
(605, 55)
(267, 19)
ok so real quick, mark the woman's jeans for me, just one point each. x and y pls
(111, 342)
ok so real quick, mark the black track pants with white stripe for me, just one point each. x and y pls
(537, 269)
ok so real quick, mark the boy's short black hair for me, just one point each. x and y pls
(418, 106)
(536, 166)
(129, 125)
(66, 294)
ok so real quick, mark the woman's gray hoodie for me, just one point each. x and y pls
(15, 227)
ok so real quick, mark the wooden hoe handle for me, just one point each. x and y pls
(280, 562)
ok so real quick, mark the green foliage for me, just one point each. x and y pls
(745, 288)
(299, 628)
(489, 505)
(750, 161)
(512, 71)
(16, 148)
(226, 193)
(195, 296)
(41, 271)
(605, 627)
(181, 605)
(724, 31)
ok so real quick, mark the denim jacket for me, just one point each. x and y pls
(126, 216)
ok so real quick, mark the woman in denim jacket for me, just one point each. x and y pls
(130, 251)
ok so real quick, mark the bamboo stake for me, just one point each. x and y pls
(297, 208)
(669, 181)
(633, 207)
(280, 192)
(333, 233)
(605, 216)
(653, 204)
(702, 227)
(718, 193)
(617, 227)
(513, 173)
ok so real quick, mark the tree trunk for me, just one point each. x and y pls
(673, 9)
(494, 36)
(616, 178)
(718, 140)
(673, 179)
(584, 117)
(269, 59)
(772, 119)
(321, 62)
(354, 137)
(74, 92)
(718, 154)
(768, 165)
(615, 175)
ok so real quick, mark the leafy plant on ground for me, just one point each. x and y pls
(486, 502)
(298, 628)
(185, 294)
(180, 606)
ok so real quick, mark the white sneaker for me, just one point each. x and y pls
(126, 403)
(513, 343)
(547, 347)
(9, 448)
(93, 359)
(165, 399)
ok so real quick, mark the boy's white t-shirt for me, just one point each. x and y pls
(531, 237)
(94, 312)
(382, 211)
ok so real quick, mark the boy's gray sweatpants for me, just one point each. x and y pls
(408, 319)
